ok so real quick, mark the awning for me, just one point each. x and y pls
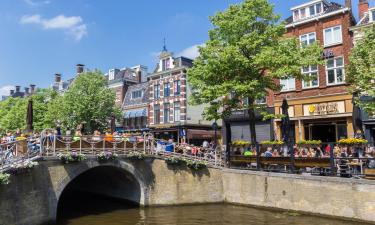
(135, 113)
(202, 134)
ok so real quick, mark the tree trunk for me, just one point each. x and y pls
(253, 137)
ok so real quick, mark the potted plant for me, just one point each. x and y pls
(309, 143)
(174, 161)
(355, 142)
(4, 178)
(195, 165)
(106, 156)
(272, 143)
(240, 145)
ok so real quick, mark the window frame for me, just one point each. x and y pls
(157, 93)
(332, 29)
(310, 72)
(166, 89)
(308, 39)
(335, 67)
(137, 94)
(166, 116)
(177, 87)
(156, 118)
(179, 111)
(289, 89)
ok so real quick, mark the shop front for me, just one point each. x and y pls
(327, 119)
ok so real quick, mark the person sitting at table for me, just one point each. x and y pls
(248, 153)
(318, 152)
(275, 153)
(268, 152)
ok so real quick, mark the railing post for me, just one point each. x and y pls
(257, 149)
(332, 160)
(292, 158)
(80, 145)
(54, 145)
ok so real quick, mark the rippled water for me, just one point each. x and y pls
(94, 210)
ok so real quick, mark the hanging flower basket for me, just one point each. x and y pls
(241, 143)
(136, 155)
(354, 142)
(4, 178)
(23, 167)
(106, 156)
(195, 165)
(71, 157)
(174, 161)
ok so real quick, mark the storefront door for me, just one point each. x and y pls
(325, 133)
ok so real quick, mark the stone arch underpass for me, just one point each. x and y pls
(120, 180)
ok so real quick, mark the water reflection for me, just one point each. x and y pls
(95, 210)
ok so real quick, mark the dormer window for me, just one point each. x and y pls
(307, 11)
(111, 75)
(165, 64)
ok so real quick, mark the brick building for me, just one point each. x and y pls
(320, 107)
(366, 19)
(170, 115)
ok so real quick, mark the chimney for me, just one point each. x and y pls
(11, 92)
(18, 89)
(27, 91)
(348, 4)
(32, 88)
(80, 68)
(363, 7)
(57, 78)
(139, 76)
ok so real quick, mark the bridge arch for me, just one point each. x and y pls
(117, 179)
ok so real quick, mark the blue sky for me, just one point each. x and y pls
(41, 37)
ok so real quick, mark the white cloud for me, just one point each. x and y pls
(190, 52)
(37, 2)
(73, 25)
(5, 90)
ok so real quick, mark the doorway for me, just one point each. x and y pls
(324, 132)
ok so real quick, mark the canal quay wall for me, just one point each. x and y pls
(33, 197)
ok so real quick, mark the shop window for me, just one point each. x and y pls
(166, 112)
(288, 84)
(311, 77)
(332, 36)
(177, 112)
(307, 39)
(335, 71)
(157, 114)
(342, 131)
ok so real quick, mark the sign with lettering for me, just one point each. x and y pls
(328, 54)
(325, 108)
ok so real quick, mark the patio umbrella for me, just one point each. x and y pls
(285, 122)
(29, 116)
(357, 119)
(113, 123)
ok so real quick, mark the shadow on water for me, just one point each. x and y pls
(75, 206)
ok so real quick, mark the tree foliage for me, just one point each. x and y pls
(361, 71)
(245, 53)
(88, 100)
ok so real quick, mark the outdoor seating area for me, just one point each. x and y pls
(320, 159)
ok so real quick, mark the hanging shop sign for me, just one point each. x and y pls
(325, 108)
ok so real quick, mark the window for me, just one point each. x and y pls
(373, 15)
(318, 8)
(312, 10)
(288, 84)
(137, 94)
(296, 14)
(177, 87)
(166, 90)
(166, 112)
(165, 64)
(335, 71)
(308, 39)
(177, 112)
(261, 101)
(157, 114)
(310, 72)
(332, 36)
(156, 91)
(302, 13)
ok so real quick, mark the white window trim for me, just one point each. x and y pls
(317, 76)
(372, 14)
(335, 43)
(289, 89)
(334, 68)
(306, 7)
(307, 34)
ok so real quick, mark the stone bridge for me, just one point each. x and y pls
(34, 197)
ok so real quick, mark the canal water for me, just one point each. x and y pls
(86, 209)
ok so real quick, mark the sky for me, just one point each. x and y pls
(39, 38)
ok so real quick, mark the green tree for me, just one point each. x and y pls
(88, 100)
(361, 71)
(245, 53)
(13, 114)
(42, 100)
